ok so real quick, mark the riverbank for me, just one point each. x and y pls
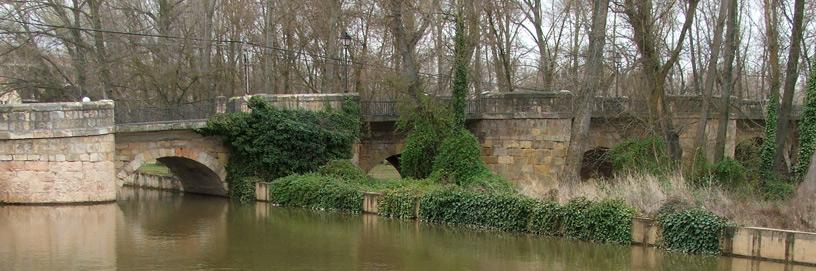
(587, 220)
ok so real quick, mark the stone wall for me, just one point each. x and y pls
(528, 152)
(140, 180)
(57, 153)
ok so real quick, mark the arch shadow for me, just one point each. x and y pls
(596, 163)
(200, 173)
(195, 177)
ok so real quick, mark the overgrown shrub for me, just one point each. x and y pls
(343, 169)
(646, 155)
(545, 218)
(270, 142)
(608, 221)
(401, 202)
(317, 192)
(509, 212)
(692, 231)
(747, 153)
(426, 130)
(778, 190)
(728, 173)
(458, 161)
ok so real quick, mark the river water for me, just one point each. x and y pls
(151, 230)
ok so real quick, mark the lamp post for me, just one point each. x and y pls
(345, 40)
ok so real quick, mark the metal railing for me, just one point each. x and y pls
(133, 112)
(127, 112)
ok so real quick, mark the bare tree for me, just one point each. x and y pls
(728, 80)
(592, 81)
(640, 15)
(792, 74)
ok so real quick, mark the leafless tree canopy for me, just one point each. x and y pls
(172, 51)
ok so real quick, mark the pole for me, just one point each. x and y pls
(345, 68)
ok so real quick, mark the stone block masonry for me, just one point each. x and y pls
(57, 153)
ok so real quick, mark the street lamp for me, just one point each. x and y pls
(345, 40)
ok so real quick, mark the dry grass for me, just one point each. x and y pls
(648, 193)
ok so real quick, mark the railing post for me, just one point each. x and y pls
(220, 105)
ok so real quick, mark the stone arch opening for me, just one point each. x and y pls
(195, 177)
(747, 151)
(199, 172)
(596, 163)
(389, 168)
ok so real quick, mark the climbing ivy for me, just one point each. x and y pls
(608, 221)
(460, 75)
(766, 155)
(692, 230)
(807, 126)
(316, 191)
(458, 161)
(427, 126)
(270, 142)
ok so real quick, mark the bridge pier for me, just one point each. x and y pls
(57, 153)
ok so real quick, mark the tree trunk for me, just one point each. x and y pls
(592, 81)
(728, 80)
(791, 75)
(269, 41)
(79, 48)
(101, 52)
(710, 78)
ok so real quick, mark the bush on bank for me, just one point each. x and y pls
(316, 191)
(692, 230)
(684, 228)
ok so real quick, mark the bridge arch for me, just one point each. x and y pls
(199, 162)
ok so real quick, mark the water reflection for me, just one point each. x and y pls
(151, 230)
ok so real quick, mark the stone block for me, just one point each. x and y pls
(505, 159)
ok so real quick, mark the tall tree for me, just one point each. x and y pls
(728, 80)
(406, 36)
(710, 78)
(767, 152)
(791, 75)
(640, 14)
(593, 76)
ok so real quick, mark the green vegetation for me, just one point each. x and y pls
(316, 191)
(747, 154)
(641, 155)
(807, 126)
(766, 154)
(155, 169)
(270, 142)
(427, 127)
(458, 161)
(460, 74)
(384, 171)
(692, 230)
(608, 221)
(778, 190)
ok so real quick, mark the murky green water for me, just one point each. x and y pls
(150, 230)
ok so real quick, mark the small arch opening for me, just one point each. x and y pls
(195, 177)
(596, 164)
(388, 169)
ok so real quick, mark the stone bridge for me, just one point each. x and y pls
(80, 152)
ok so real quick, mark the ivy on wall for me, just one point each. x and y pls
(766, 154)
(807, 126)
(270, 142)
